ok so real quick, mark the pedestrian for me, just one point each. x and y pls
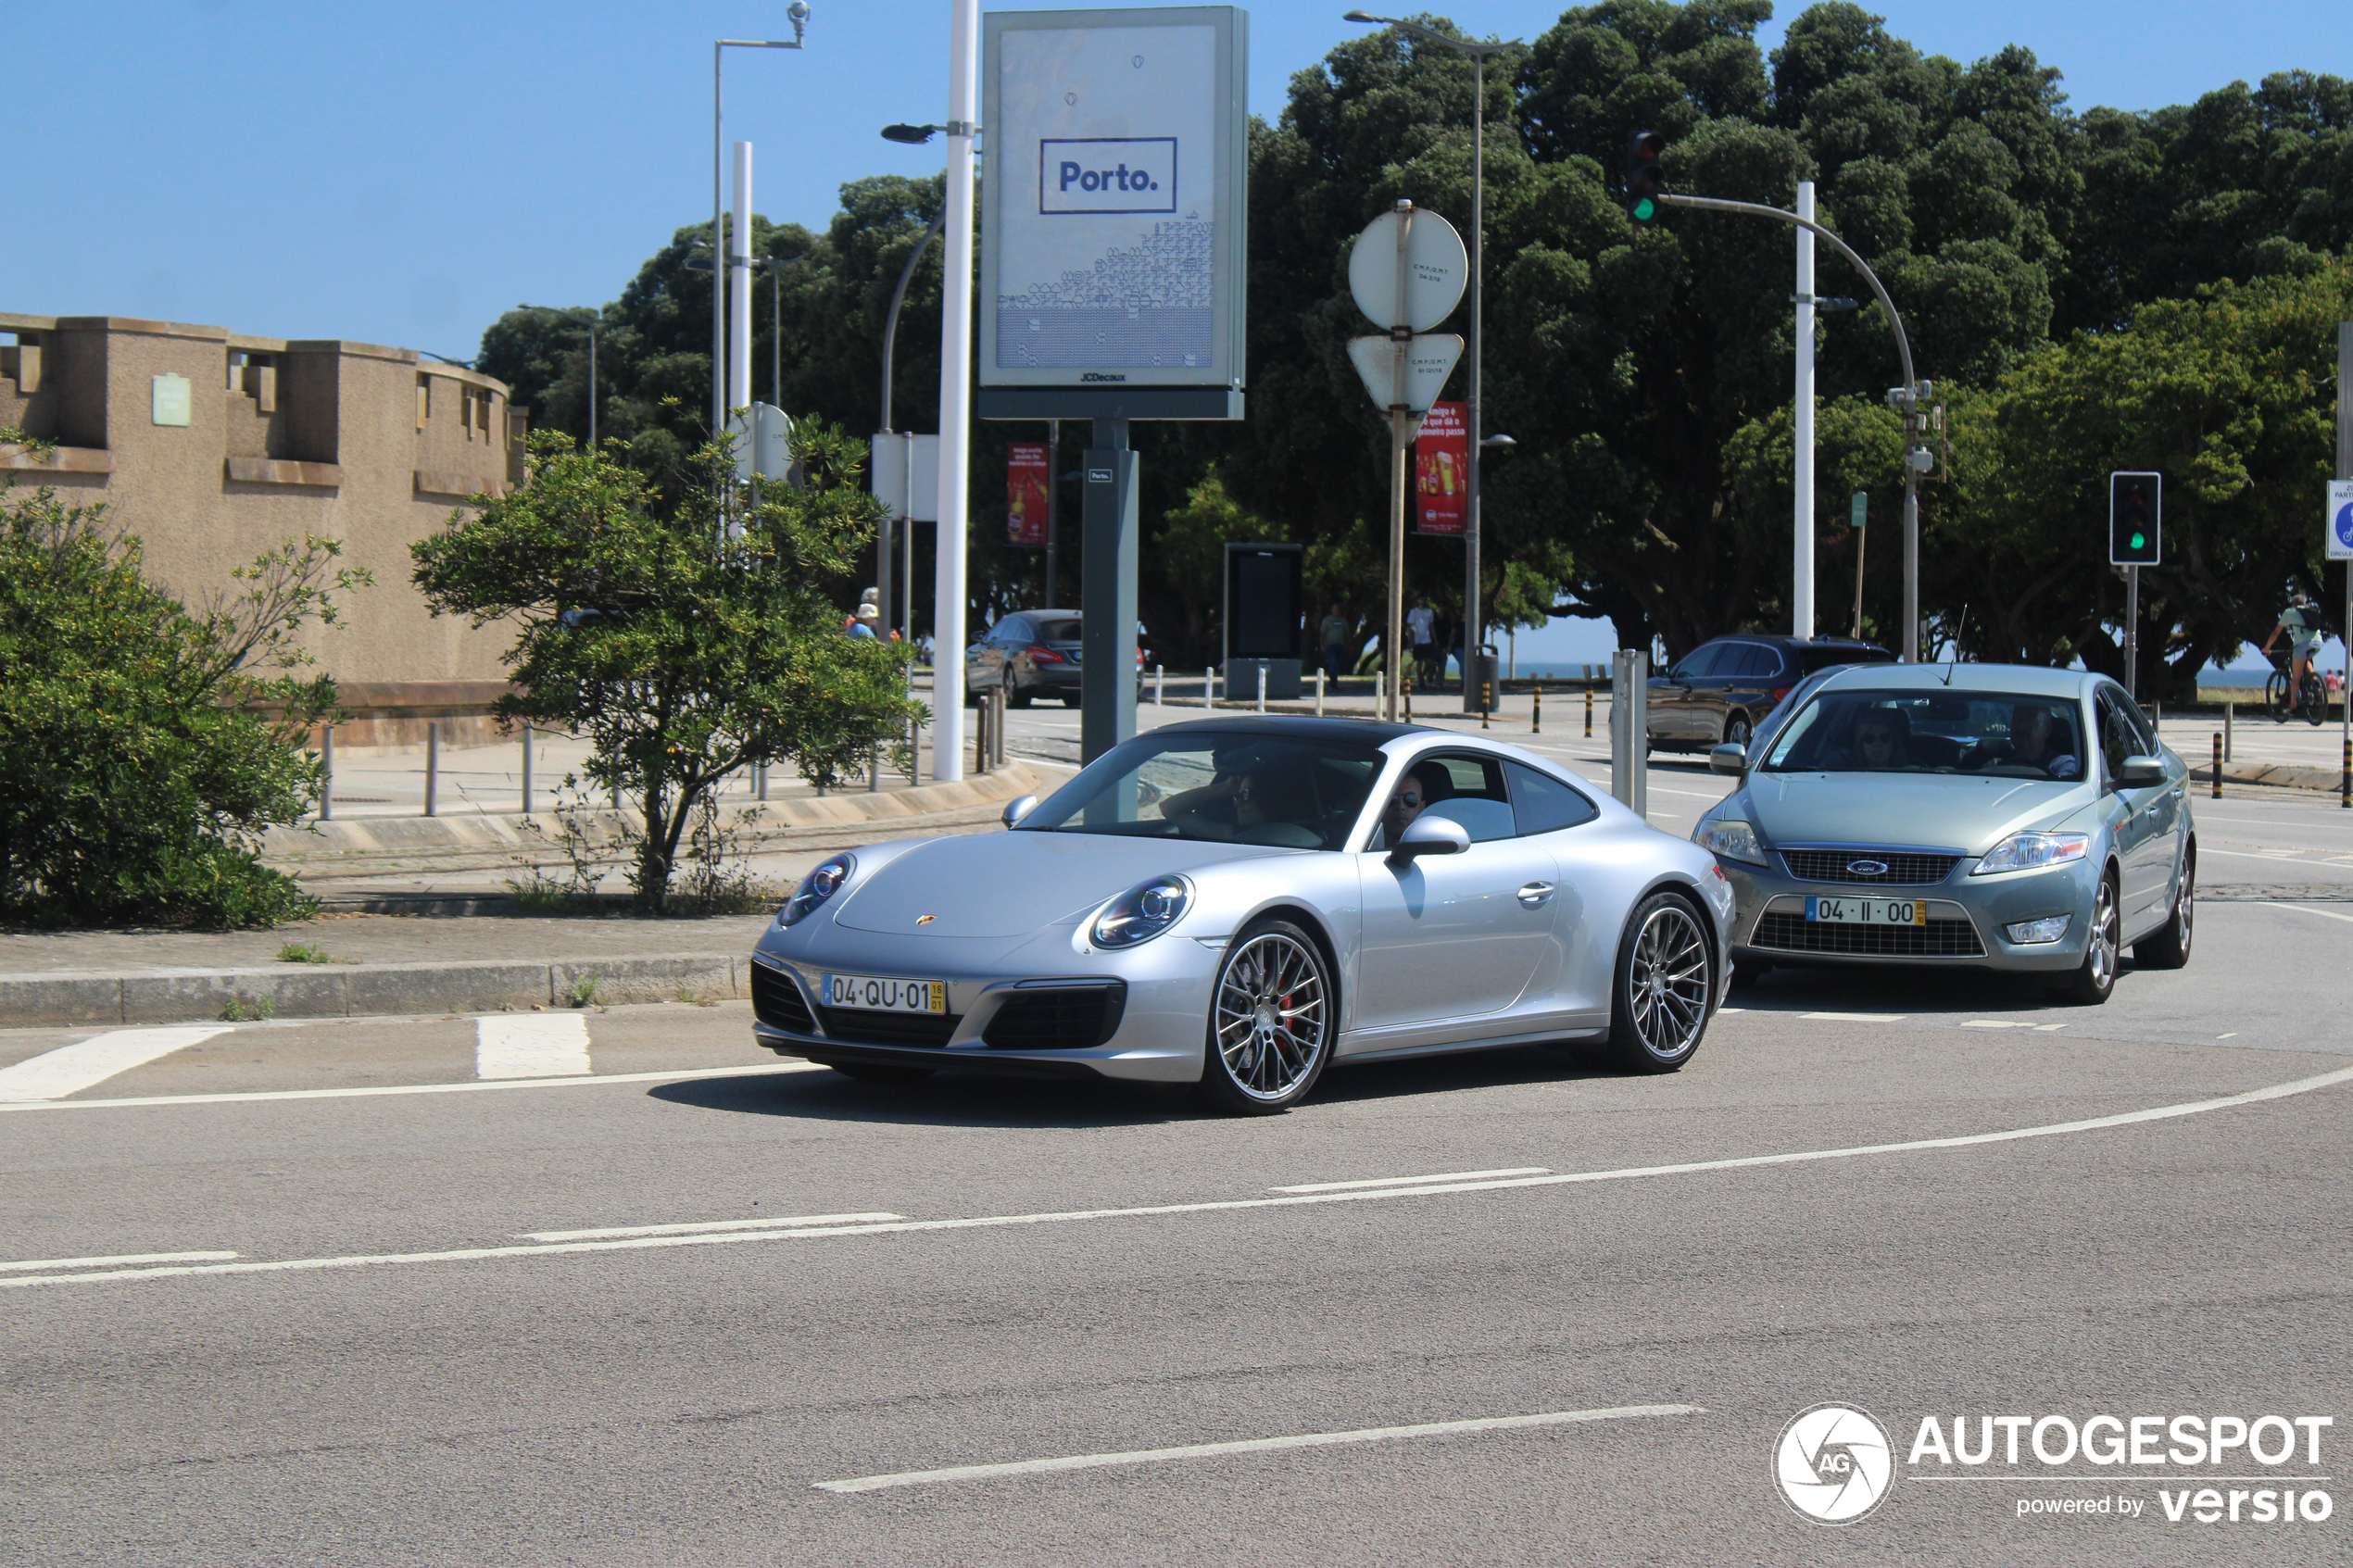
(1335, 632)
(862, 624)
(1421, 631)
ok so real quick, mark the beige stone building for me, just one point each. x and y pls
(213, 448)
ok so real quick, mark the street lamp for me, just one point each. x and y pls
(1474, 628)
(596, 319)
(797, 14)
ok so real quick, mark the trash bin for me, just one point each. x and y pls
(1484, 694)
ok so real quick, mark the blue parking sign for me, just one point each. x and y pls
(2340, 517)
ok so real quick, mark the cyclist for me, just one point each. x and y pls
(2301, 621)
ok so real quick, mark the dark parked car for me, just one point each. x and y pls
(1032, 653)
(1716, 694)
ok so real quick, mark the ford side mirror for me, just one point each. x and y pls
(1429, 835)
(1730, 758)
(1017, 809)
(2138, 773)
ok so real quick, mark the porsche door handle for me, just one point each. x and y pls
(1536, 894)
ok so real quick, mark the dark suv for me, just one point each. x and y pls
(1716, 693)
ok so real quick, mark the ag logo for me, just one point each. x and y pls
(1833, 1464)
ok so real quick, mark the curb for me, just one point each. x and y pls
(188, 995)
(2279, 775)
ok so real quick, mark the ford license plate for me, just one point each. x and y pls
(876, 994)
(1868, 911)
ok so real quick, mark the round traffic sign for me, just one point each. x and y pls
(1419, 294)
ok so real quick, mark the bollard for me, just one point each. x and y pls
(2345, 781)
(526, 769)
(997, 734)
(873, 770)
(1160, 686)
(1319, 693)
(2229, 710)
(2217, 764)
(1405, 689)
(760, 779)
(1261, 688)
(980, 734)
(1486, 702)
(1536, 714)
(1208, 689)
(327, 774)
(1589, 713)
(433, 762)
(1380, 690)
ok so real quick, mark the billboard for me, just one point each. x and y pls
(1441, 471)
(1112, 219)
(1025, 477)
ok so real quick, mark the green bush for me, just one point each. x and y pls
(143, 751)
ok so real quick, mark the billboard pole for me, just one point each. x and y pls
(955, 398)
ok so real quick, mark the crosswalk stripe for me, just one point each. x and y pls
(550, 1045)
(71, 1069)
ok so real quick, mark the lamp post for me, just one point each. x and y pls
(596, 321)
(797, 14)
(776, 266)
(915, 136)
(1474, 627)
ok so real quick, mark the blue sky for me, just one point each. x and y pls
(402, 173)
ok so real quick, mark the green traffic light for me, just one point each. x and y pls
(1645, 210)
(2140, 541)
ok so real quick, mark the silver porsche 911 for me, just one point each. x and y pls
(1237, 902)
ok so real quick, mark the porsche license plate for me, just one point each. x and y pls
(1868, 911)
(876, 994)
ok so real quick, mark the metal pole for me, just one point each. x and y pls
(2229, 711)
(775, 332)
(1053, 510)
(1208, 689)
(898, 298)
(2345, 470)
(718, 257)
(1319, 693)
(1391, 667)
(327, 774)
(1911, 642)
(1862, 537)
(2217, 764)
(592, 389)
(526, 769)
(433, 763)
(1536, 712)
(2133, 632)
(1261, 686)
(739, 286)
(948, 609)
(1160, 685)
(1474, 628)
(1801, 557)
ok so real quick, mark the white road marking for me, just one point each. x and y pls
(2314, 857)
(530, 1045)
(991, 1222)
(1247, 1446)
(2324, 915)
(69, 1069)
(1406, 1181)
(118, 1258)
(2232, 1035)
(676, 1075)
(1855, 1016)
(694, 1227)
(1996, 1023)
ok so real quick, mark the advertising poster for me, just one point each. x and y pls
(1441, 471)
(1110, 230)
(1026, 493)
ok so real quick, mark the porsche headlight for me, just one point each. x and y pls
(1729, 838)
(815, 888)
(2032, 851)
(1141, 913)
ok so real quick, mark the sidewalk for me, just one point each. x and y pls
(416, 918)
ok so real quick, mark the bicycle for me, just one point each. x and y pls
(2311, 699)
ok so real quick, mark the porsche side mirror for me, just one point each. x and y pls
(1017, 809)
(1730, 758)
(2139, 772)
(1429, 835)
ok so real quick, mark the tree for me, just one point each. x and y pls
(145, 748)
(682, 654)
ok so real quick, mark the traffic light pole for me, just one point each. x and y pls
(2133, 632)
(1910, 392)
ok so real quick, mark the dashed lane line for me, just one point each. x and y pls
(1414, 1181)
(2324, 915)
(1247, 1446)
(115, 1259)
(372, 1090)
(991, 1222)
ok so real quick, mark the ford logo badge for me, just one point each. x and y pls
(1868, 867)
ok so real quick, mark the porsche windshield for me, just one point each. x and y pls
(1275, 790)
(2000, 733)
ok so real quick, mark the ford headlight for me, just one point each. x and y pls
(1729, 838)
(1141, 913)
(2032, 851)
(815, 888)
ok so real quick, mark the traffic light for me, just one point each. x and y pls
(1643, 180)
(2135, 519)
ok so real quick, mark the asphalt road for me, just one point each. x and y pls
(617, 1287)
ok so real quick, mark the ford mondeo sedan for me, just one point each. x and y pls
(1995, 816)
(1238, 902)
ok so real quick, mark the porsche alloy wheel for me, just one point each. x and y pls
(1665, 986)
(1271, 1025)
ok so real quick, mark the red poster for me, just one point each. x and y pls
(1026, 493)
(1441, 471)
